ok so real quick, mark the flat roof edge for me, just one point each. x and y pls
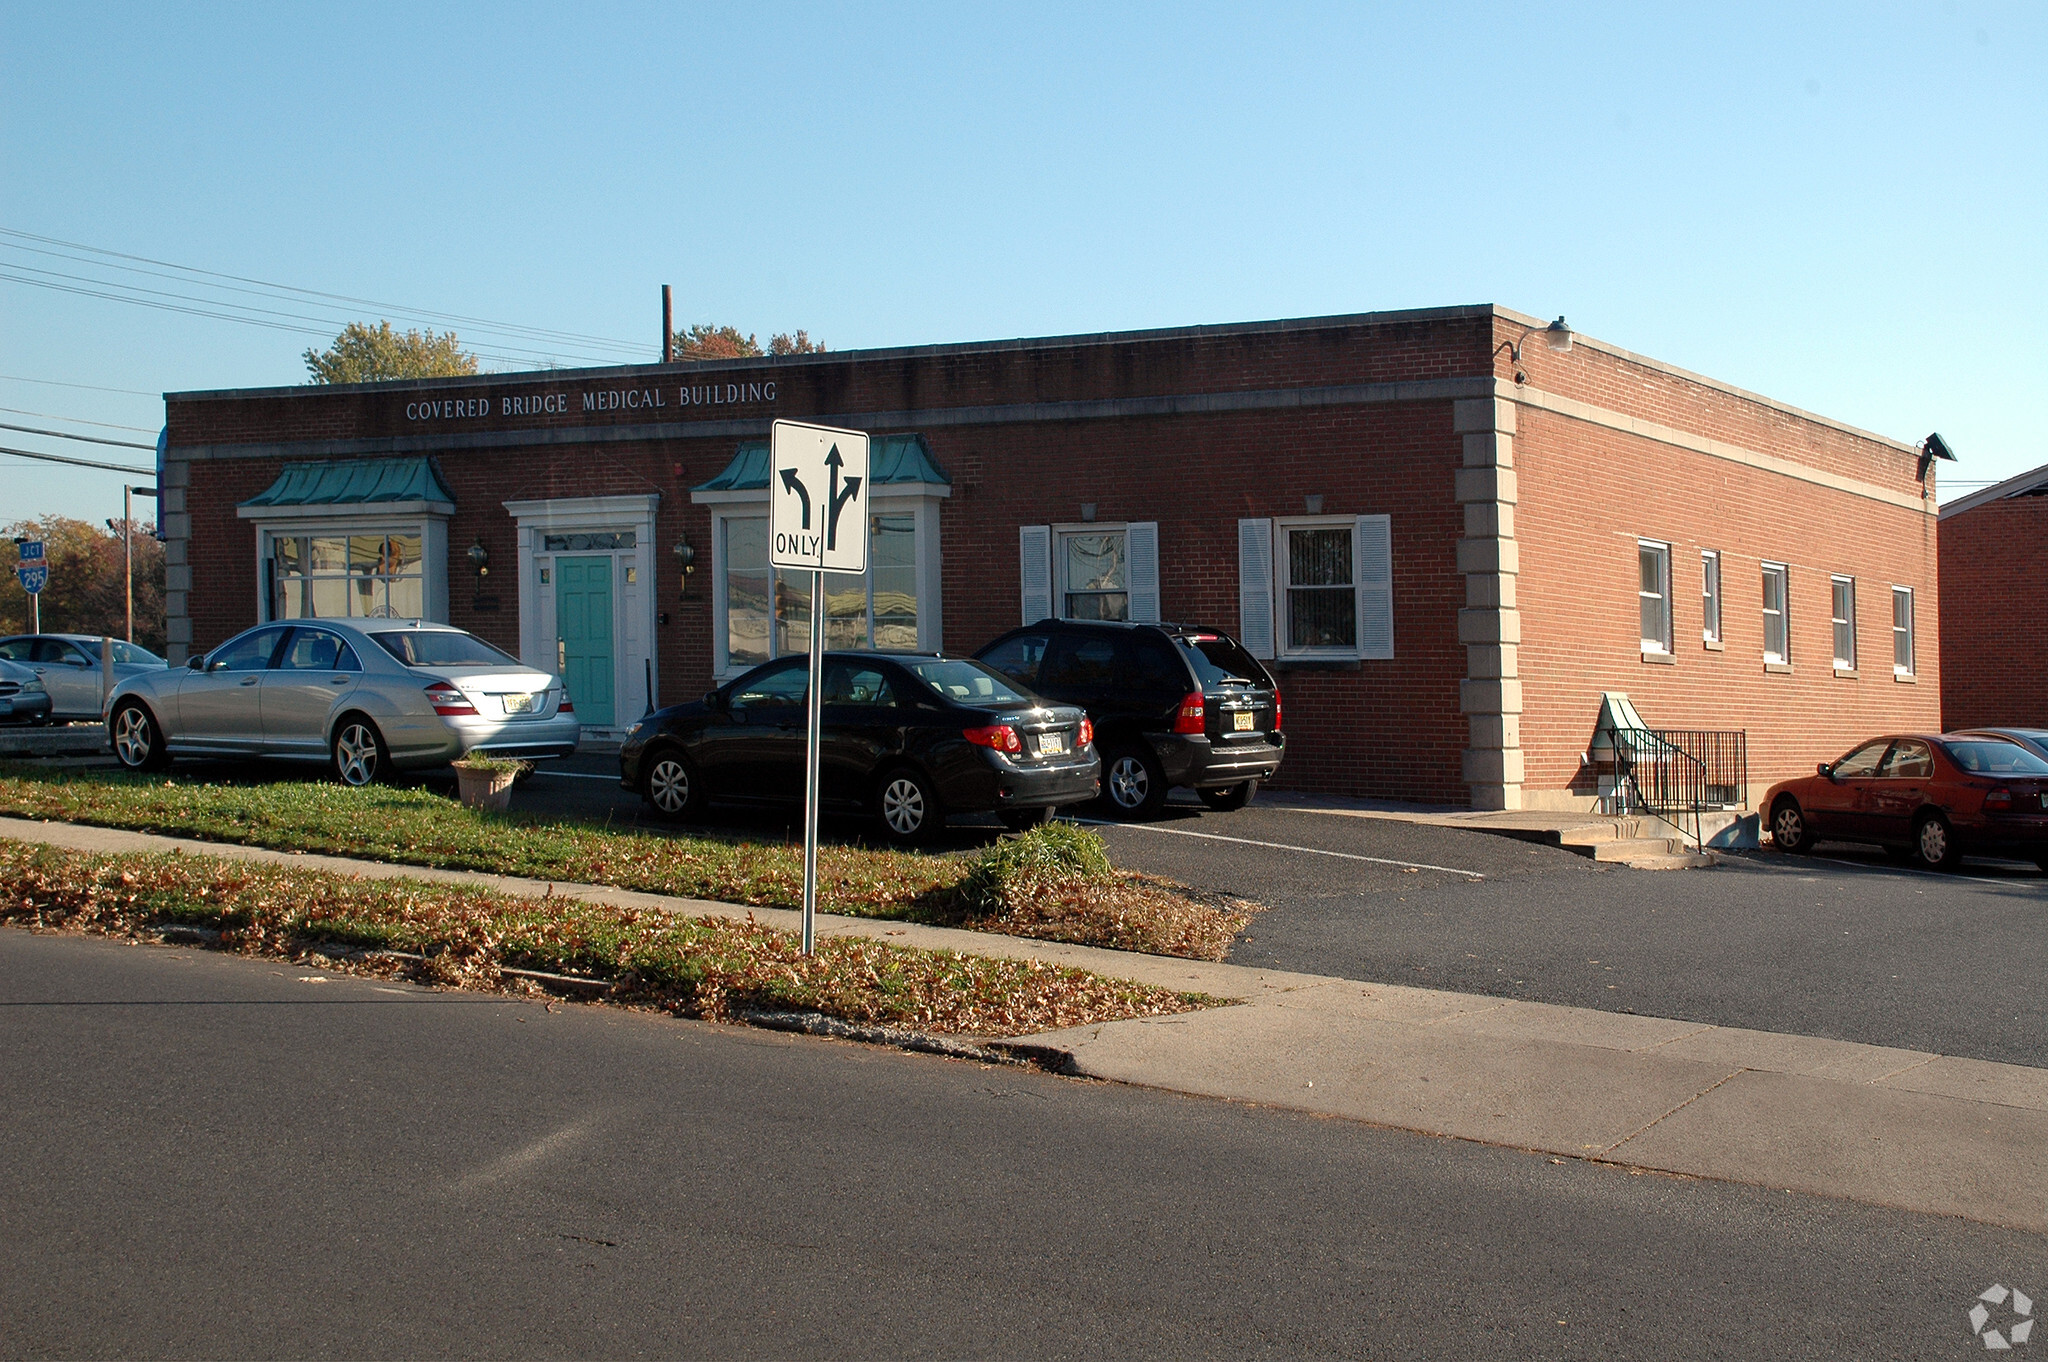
(1281, 325)
(1606, 348)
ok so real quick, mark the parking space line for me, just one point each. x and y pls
(1279, 846)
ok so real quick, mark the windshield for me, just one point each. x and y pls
(1220, 662)
(967, 683)
(441, 648)
(129, 653)
(1996, 759)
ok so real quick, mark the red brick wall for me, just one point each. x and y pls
(1588, 493)
(1994, 620)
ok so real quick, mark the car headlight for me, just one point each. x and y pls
(32, 687)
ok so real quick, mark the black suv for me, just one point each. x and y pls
(1172, 705)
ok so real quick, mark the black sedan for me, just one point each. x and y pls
(908, 738)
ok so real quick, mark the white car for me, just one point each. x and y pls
(69, 665)
(365, 696)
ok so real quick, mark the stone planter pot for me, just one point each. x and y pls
(486, 789)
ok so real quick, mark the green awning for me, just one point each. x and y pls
(345, 482)
(891, 458)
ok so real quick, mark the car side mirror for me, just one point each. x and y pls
(197, 662)
(1824, 769)
(712, 700)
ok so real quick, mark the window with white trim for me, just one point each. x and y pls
(1902, 630)
(1842, 596)
(1710, 595)
(378, 575)
(769, 615)
(1316, 587)
(1089, 571)
(1653, 594)
(1094, 575)
(1777, 631)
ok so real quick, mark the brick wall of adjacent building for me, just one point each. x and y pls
(1994, 618)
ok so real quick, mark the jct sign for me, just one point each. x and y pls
(818, 498)
(34, 570)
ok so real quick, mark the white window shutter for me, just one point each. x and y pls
(1034, 570)
(1375, 578)
(1141, 560)
(1255, 587)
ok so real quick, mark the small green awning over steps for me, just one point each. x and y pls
(891, 459)
(356, 482)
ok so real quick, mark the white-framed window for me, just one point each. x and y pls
(1777, 630)
(769, 615)
(1902, 630)
(1089, 571)
(1710, 595)
(1653, 594)
(1316, 587)
(1842, 596)
(348, 568)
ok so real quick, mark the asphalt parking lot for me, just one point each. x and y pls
(1841, 944)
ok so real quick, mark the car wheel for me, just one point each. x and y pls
(1023, 820)
(359, 754)
(909, 807)
(671, 786)
(1934, 843)
(1132, 784)
(1230, 797)
(1788, 827)
(138, 742)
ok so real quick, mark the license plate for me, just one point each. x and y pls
(6, 706)
(1051, 744)
(519, 704)
(1242, 720)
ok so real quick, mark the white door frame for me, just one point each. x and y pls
(635, 659)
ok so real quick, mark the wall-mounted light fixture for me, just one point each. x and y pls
(1932, 448)
(686, 559)
(480, 559)
(1556, 336)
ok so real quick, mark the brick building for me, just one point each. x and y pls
(1994, 626)
(1451, 530)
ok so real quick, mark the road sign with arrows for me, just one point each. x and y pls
(818, 498)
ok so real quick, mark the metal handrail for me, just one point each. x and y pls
(1678, 773)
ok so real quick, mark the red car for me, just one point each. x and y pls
(1921, 796)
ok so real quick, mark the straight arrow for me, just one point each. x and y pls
(839, 498)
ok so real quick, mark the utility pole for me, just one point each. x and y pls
(668, 328)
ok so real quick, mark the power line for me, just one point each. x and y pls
(82, 463)
(575, 341)
(89, 439)
(90, 387)
(75, 420)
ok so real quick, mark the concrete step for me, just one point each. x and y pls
(1632, 849)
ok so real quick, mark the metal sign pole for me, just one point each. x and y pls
(814, 734)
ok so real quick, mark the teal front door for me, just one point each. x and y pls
(583, 620)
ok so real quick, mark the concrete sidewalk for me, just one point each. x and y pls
(1902, 1128)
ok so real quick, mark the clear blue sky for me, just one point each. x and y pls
(1837, 205)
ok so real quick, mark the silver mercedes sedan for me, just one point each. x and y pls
(69, 665)
(366, 697)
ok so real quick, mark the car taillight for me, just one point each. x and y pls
(996, 737)
(1276, 711)
(2000, 798)
(566, 707)
(1087, 731)
(447, 700)
(1189, 720)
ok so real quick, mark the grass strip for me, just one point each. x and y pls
(415, 826)
(715, 968)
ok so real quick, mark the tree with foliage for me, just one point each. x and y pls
(728, 342)
(85, 594)
(363, 354)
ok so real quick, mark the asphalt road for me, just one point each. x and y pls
(209, 1156)
(1843, 945)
